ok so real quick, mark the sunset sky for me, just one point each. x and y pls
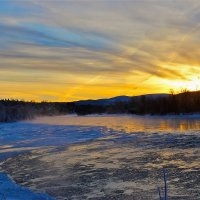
(60, 50)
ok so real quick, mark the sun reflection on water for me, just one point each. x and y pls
(127, 123)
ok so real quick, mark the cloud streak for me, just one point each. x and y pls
(139, 46)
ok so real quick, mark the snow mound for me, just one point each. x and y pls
(9, 190)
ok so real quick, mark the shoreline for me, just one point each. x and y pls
(12, 190)
(121, 154)
(166, 116)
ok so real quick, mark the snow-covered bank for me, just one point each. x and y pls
(16, 138)
(100, 157)
(9, 190)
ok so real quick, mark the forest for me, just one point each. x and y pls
(17, 110)
(185, 102)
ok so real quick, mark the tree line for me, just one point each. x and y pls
(185, 102)
(16, 110)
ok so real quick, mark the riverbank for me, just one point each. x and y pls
(103, 157)
(10, 190)
(184, 103)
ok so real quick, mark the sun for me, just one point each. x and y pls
(194, 84)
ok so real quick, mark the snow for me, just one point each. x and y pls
(17, 138)
(48, 132)
(11, 191)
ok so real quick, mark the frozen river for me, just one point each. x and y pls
(103, 157)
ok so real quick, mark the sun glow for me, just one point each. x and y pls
(194, 84)
(188, 79)
(62, 52)
(191, 86)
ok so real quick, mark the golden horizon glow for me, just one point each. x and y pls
(68, 51)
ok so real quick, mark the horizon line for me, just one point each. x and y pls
(94, 99)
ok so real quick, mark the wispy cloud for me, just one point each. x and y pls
(125, 47)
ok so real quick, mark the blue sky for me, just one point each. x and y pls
(68, 50)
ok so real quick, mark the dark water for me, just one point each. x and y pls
(104, 157)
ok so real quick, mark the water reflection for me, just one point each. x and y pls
(128, 124)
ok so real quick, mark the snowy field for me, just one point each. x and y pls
(100, 157)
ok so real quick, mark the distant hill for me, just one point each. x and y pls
(104, 102)
(185, 102)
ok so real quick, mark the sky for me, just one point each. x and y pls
(67, 50)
